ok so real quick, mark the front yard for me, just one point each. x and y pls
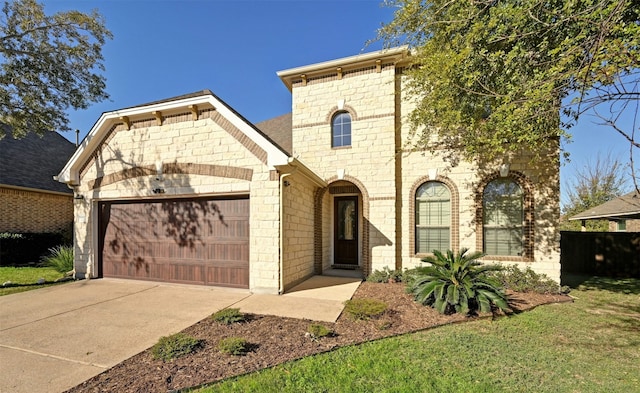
(20, 279)
(590, 345)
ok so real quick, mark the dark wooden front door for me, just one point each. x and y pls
(195, 241)
(346, 230)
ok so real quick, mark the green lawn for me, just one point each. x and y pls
(591, 345)
(26, 278)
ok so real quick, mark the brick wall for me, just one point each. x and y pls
(630, 226)
(29, 211)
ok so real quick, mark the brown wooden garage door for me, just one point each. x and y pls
(195, 241)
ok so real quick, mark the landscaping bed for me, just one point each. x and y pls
(274, 340)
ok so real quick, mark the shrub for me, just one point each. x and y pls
(364, 309)
(60, 258)
(175, 346)
(227, 316)
(233, 346)
(457, 284)
(316, 331)
(26, 249)
(527, 280)
(386, 275)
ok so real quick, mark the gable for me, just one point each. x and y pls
(146, 133)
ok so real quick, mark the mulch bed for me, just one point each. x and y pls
(275, 340)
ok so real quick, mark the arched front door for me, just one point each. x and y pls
(345, 230)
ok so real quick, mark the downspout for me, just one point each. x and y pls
(281, 261)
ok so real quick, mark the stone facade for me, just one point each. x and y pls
(34, 211)
(203, 148)
(204, 157)
(386, 176)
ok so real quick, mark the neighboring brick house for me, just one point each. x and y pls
(30, 199)
(623, 213)
(187, 190)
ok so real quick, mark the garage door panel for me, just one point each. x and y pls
(227, 276)
(187, 241)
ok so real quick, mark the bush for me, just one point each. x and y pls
(60, 258)
(316, 331)
(227, 316)
(24, 249)
(457, 284)
(236, 346)
(386, 275)
(175, 346)
(364, 309)
(526, 280)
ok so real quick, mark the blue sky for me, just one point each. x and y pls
(167, 48)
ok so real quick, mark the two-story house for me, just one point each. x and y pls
(187, 190)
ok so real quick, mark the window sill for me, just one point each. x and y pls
(506, 258)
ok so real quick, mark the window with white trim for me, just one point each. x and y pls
(341, 129)
(433, 218)
(503, 218)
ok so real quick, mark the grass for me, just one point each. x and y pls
(26, 278)
(591, 345)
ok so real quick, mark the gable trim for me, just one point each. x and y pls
(172, 111)
(172, 169)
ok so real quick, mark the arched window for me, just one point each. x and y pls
(341, 129)
(433, 217)
(503, 218)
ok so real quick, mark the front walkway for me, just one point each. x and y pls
(320, 298)
(54, 338)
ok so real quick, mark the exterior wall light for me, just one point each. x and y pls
(158, 170)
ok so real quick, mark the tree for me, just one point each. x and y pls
(490, 77)
(48, 65)
(594, 184)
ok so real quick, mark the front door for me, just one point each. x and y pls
(346, 230)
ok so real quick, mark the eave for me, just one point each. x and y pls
(345, 64)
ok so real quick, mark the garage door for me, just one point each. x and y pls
(195, 241)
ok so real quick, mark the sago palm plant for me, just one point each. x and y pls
(457, 284)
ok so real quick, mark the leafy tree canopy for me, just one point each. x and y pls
(494, 76)
(593, 184)
(48, 64)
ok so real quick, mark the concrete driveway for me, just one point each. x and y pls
(54, 338)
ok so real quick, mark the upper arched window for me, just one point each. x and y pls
(341, 129)
(503, 218)
(433, 217)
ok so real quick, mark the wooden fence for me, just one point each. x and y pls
(607, 254)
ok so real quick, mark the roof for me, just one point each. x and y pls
(624, 207)
(32, 161)
(279, 130)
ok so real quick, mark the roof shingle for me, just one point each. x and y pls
(32, 161)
